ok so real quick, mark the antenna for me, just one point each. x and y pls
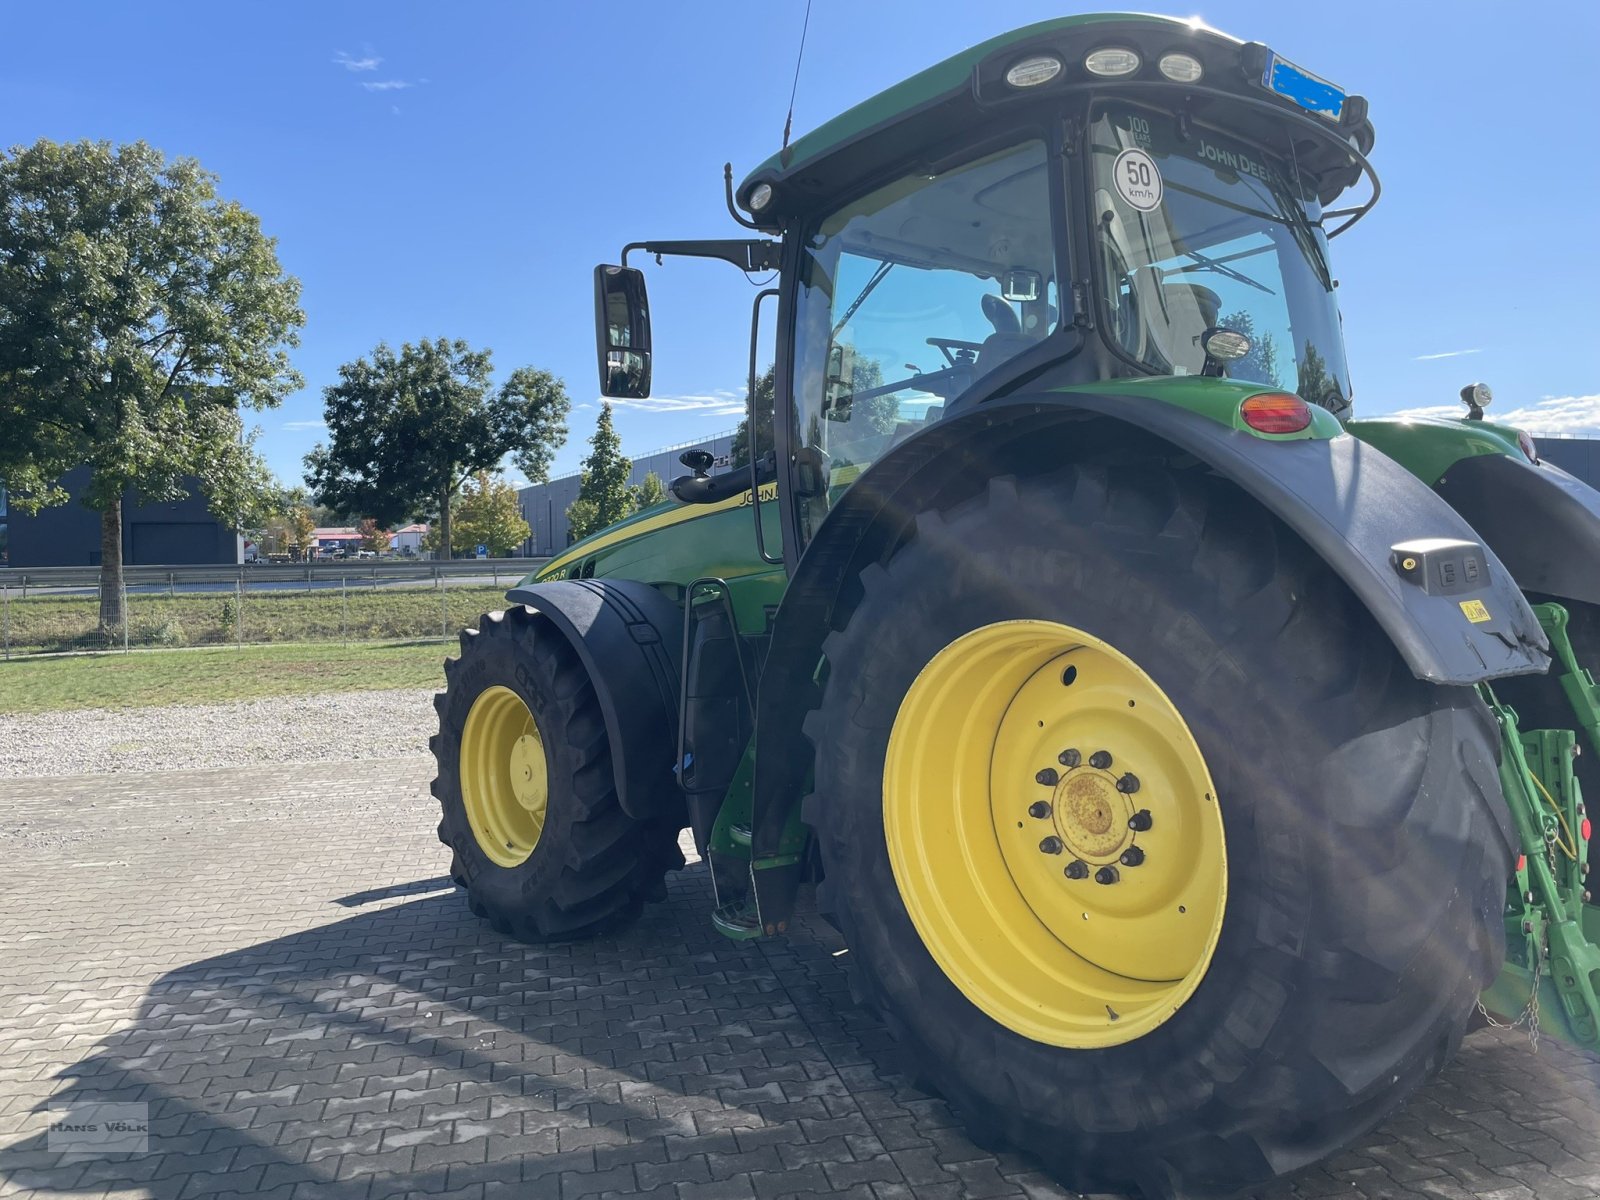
(788, 121)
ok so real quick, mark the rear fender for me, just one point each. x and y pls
(1543, 523)
(1351, 504)
(629, 637)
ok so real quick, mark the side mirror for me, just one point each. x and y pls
(622, 331)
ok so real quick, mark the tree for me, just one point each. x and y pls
(603, 494)
(582, 519)
(739, 453)
(1316, 385)
(138, 313)
(1261, 364)
(407, 430)
(302, 529)
(373, 536)
(490, 515)
(651, 491)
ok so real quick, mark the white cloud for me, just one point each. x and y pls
(1554, 416)
(1447, 354)
(300, 425)
(718, 404)
(387, 85)
(367, 62)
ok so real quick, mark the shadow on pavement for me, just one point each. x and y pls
(420, 887)
(411, 1049)
(408, 1049)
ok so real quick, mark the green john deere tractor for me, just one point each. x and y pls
(1176, 755)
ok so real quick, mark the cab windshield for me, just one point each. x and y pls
(1195, 230)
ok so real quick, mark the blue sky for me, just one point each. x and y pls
(458, 171)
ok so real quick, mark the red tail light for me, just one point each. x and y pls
(1585, 829)
(1276, 412)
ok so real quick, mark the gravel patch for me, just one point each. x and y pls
(333, 727)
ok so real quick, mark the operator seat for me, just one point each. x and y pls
(1007, 340)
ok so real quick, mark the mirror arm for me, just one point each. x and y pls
(727, 191)
(748, 254)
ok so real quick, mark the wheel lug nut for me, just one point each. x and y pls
(1069, 758)
(1048, 777)
(1076, 869)
(1141, 821)
(1100, 759)
(1132, 857)
(1050, 845)
(1039, 808)
(1107, 875)
(1128, 784)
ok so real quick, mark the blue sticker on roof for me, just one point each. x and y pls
(1305, 89)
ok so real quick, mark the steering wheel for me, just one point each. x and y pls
(948, 346)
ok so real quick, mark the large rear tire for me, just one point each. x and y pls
(1366, 849)
(529, 804)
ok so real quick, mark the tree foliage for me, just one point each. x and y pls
(490, 515)
(138, 313)
(407, 429)
(1315, 384)
(302, 528)
(374, 537)
(651, 491)
(604, 497)
(766, 390)
(1261, 364)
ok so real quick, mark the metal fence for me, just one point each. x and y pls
(57, 610)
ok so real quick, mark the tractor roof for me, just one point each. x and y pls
(959, 91)
(951, 75)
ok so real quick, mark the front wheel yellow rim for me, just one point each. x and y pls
(1055, 834)
(505, 779)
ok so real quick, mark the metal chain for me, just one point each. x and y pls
(1529, 1016)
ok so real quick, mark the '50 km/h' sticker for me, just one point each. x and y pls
(1138, 180)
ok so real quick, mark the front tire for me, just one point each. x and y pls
(1366, 853)
(528, 802)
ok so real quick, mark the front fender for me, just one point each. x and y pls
(1543, 523)
(1351, 504)
(629, 637)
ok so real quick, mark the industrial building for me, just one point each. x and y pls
(544, 505)
(180, 533)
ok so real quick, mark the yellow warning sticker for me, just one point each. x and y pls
(1475, 611)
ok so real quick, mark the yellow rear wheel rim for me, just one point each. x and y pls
(1055, 834)
(505, 779)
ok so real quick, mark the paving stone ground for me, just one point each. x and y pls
(274, 961)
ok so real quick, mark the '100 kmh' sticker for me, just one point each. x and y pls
(1138, 180)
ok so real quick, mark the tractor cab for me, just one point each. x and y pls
(1094, 198)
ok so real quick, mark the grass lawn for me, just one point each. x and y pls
(209, 675)
(55, 623)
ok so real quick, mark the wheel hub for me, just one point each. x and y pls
(1091, 816)
(1054, 834)
(505, 782)
(527, 771)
